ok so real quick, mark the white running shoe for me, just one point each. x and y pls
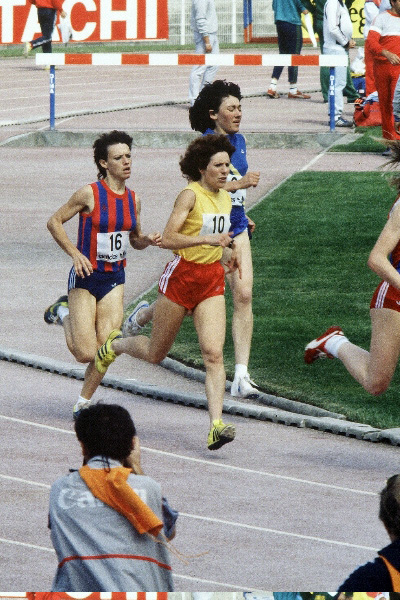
(79, 407)
(131, 326)
(242, 387)
(316, 348)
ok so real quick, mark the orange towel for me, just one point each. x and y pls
(111, 487)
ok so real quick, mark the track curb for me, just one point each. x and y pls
(329, 423)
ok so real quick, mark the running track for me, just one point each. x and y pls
(278, 509)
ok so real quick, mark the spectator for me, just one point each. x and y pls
(106, 518)
(338, 31)
(396, 106)
(317, 10)
(204, 24)
(47, 16)
(384, 572)
(287, 14)
(383, 42)
(371, 10)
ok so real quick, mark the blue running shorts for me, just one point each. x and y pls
(98, 284)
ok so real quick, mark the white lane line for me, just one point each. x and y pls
(33, 424)
(225, 522)
(212, 463)
(227, 585)
(25, 481)
(26, 545)
(278, 532)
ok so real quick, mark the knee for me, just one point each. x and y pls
(243, 296)
(84, 355)
(377, 387)
(212, 357)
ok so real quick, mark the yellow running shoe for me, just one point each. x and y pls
(220, 434)
(105, 354)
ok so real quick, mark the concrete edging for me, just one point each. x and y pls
(331, 424)
(165, 139)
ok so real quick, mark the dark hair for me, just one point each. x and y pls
(210, 98)
(389, 507)
(199, 152)
(106, 430)
(101, 145)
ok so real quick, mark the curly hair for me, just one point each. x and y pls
(210, 98)
(106, 430)
(389, 507)
(100, 147)
(199, 152)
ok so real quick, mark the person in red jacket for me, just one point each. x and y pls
(47, 14)
(383, 43)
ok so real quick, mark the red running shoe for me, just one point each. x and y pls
(316, 348)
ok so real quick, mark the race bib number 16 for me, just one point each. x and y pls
(112, 246)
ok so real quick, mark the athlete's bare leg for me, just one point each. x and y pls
(242, 288)
(87, 327)
(374, 369)
(210, 322)
(167, 319)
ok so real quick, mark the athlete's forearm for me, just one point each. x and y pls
(60, 236)
(142, 241)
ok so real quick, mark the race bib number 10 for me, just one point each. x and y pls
(213, 223)
(112, 246)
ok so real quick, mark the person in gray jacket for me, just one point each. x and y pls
(106, 519)
(204, 24)
(338, 32)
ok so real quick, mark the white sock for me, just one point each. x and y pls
(240, 370)
(293, 89)
(273, 84)
(333, 344)
(82, 400)
(62, 312)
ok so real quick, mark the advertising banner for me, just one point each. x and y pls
(91, 20)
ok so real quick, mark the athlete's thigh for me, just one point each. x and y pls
(210, 323)
(82, 317)
(109, 313)
(385, 341)
(167, 319)
(246, 280)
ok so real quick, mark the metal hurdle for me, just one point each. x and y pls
(177, 59)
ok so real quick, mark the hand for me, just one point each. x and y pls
(234, 261)
(82, 265)
(133, 460)
(394, 59)
(208, 48)
(220, 239)
(397, 126)
(251, 179)
(352, 43)
(155, 238)
(63, 14)
(252, 225)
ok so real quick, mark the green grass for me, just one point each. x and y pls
(313, 237)
(370, 140)
(12, 51)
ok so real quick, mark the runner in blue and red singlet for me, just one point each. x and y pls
(109, 221)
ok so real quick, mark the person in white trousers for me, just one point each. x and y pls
(204, 24)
